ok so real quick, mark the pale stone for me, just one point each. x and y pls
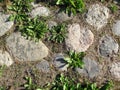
(26, 50)
(5, 58)
(51, 24)
(97, 15)
(116, 28)
(115, 70)
(78, 39)
(5, 25)
(62, 16)
(40, 11)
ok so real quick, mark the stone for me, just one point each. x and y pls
(108, 46)
(5, 25)
(43, 66)
(62, 16)
(116, 28)
(59, 62)
(91, 68)
(97, 16)
(51, 24)
(116, 2)
(35, 5)
(26, 50)
(40, 11)
(115, 70)
(5, 58)
(78, 39)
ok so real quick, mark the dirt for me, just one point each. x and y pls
(13, 78)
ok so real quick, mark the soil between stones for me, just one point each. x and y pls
(14, 77)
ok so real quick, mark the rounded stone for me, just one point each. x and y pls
(59, 62)
(62, 16)
(108, 47)
(97, 15)
(115, 70)
(5, 25)
(26, 50)
(51, 24)
(78, 39)
(35, 5)
(116, 28)
(91, 68)
(40, 11)
(43, 66)
(5, 58)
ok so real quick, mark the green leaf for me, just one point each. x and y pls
(30, 27)
(26, 85)
(58, 2)
(72, 3)
(12, 17)
(107, 86)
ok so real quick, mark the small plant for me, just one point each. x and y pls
(34, 29)
(64, 83)
(58, 33)
(113, 8)
(1, 70)
(29, 85)
(2, 88)
(1, 0)
(102, 1)
(75, 59)
(21, 8)
(31, 28)
(107, 86)
(72, 6)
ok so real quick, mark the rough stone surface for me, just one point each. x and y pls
(97, 16)
(59, 62)
(26, 50)
(116, 28)
(91, 68)
(115, 70)
(108, 47)
(35, 5)
(78, 39)
(62, 16)
(51, 24)
(40, 11)
(5, 58)
(43, 66)
(5, 25)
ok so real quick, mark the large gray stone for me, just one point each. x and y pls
(91, 68)
(116, 28)
(115, 70)
(5, 58)
(43, 66)
(26, 50)
(78, 39)
(97, 15)
(40, 11)
(59, 62)
(108, 46)
(5, 25)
